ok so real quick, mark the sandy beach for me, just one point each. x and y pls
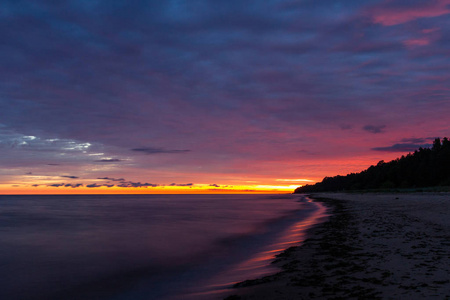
(373, 246)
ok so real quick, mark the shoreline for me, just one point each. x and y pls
(378, 246)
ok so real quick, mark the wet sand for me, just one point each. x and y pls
(374, 246)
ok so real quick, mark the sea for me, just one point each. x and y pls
(120, 247)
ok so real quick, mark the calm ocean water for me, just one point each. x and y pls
(143, 246)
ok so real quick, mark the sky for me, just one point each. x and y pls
(215, 96)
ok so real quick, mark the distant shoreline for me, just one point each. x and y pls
(383, 245)
(429, 189)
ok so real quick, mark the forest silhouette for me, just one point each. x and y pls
(426, 167)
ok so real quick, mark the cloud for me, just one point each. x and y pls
(407, 145)
(181, 184)
(150, 150)
(402, 147)
(214, 185)
(374, 128)
(390, 12)
(34, 150)
(415, 42)
(94, 185)
(18, 141)
(108, 160)
(112, 179)
(73, 185)
(72, 177)
(136, 184)
(56, 184)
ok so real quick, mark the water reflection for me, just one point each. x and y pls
(259, 264)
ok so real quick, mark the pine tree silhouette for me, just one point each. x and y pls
(426, 167)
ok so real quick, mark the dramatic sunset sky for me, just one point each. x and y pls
(214, 96)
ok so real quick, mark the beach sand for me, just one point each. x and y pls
(374, 246)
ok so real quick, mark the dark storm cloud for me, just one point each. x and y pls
(158, 150)
(374, 128)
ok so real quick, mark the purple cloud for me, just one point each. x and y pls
(374, 128)
(136, 184)
(73, 185)
(181, 184)
(389, 13)
(112, 179)
(403, 147)
(94, 185)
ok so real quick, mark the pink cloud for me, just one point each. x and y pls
(427, 36)
(389, 14)
(430, 30)
(416, 42)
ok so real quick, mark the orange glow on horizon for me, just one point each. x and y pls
(7, 189)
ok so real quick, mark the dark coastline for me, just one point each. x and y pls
(361, 252)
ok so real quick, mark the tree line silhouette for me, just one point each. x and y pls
(426, 167)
